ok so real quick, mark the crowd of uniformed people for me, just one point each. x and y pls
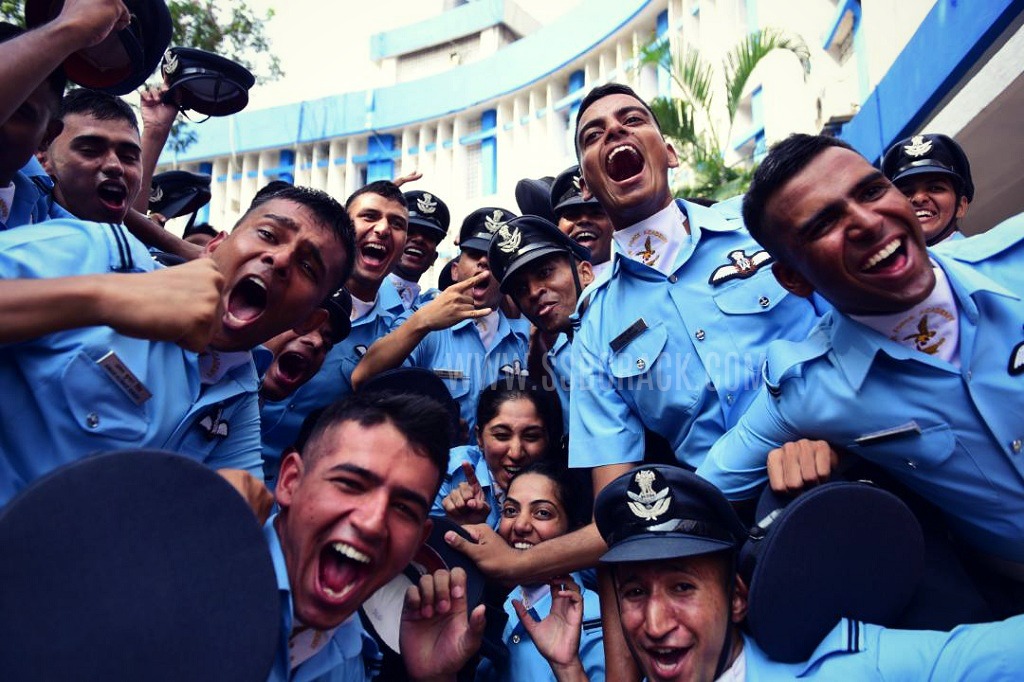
(772, 437)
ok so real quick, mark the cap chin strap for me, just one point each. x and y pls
(723, 656)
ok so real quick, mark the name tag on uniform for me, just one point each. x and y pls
(450, 373)
(124, 378)
(632, 331)
(904, 430)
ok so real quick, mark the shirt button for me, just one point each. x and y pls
(640, 364)
(1016, 445)
(969, 375)
(764, 301)
(912, 464)
(730, 398)
(515, 639)
(700, 335)
(673, 279)
(92, 420)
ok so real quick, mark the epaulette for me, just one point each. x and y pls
(1005, 236)
(785, 359)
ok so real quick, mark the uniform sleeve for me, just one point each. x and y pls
(242, 448)
(988, 651)
(603, 428)
(592, 638)
(51, 249)
(738, 462)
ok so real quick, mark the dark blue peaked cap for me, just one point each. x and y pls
(843, 549)
(205, 82)
(139, 565)
(522, 241)
(176, 193)
(664, 512)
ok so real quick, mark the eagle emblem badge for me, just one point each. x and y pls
(157, 194)
(170, 63)
(426, 204)
(213, 425)
(510, 240)
(741, 267)
(918, 146)
(648, 504)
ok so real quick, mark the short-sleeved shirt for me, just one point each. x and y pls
(82, 391)
(858, 651)
(678, 354)
(457, 355)
(953, 434)
(33, 198)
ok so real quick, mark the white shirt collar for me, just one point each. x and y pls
(656, 240)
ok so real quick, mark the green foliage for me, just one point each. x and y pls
(227, 27)
(689, 121)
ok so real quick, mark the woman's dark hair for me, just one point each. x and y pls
(514, 387)
(573, 498)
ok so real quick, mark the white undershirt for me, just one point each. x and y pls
(6, 201)
(737, 672)
(487, 327)
(932, 326)
(407, 291)
(657, 240)
(304, 642)
(214, 364)
(361, 308)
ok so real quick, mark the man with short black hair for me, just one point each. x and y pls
(353, 513)
(582, 219)
(79, 372)
(428, 226)
(907, 325)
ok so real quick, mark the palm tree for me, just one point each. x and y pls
(689, 121)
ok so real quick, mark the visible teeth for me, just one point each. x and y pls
(889, 249)
(414, 251)
(924, 214)
(580, 236)
(258, 282)
(350, 552)
(620, 148)
(522, 545)
(338, 595)
(375, 247)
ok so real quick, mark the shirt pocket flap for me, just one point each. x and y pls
(97, 404)
(912, 447)
(751, 296)
(640, 354)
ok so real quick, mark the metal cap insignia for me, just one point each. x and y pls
(426, 204)
(918, 146)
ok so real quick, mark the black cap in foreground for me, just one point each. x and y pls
(524, 240)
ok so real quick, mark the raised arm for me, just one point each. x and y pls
(452, 306)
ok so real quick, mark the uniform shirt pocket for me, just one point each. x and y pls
(98, 405)
(639, 355)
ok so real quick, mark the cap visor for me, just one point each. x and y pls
(921, 170)
(526, 259)
(653, 546)
(428, 225)
(575, 201)
(478, 243)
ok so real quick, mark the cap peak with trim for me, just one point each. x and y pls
(929, 153)
(524, 240)
(480, 225)
(567, 191)
(664, 512)
(205, 82)
(426, 210)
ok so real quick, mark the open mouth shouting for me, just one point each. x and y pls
(246, 302)
(292, 367)
(342, 568)
(113, 195)
(375, 255)
(889, 259)
(623, 163)
(666, 662)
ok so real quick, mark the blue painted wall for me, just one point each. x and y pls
(945, 47)
(509, 70)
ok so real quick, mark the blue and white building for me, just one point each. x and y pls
(479, 94)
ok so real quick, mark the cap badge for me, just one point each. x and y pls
(156, 195)
(170, 63)
(918, 146)
(1016, 365)
(426, 204)
(647, 504)
(494, 221)
(510, 240)
(741, 267)
(576, 182)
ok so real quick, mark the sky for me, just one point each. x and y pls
(324, 46)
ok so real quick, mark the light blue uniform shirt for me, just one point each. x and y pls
(457, 355)
(988, 652)
(951, 434)
(455, 476)
(33, 198)
(559, 363)
(61, 405)
(351, 655)
(678, 354)
(526, 662)
(281, 420)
